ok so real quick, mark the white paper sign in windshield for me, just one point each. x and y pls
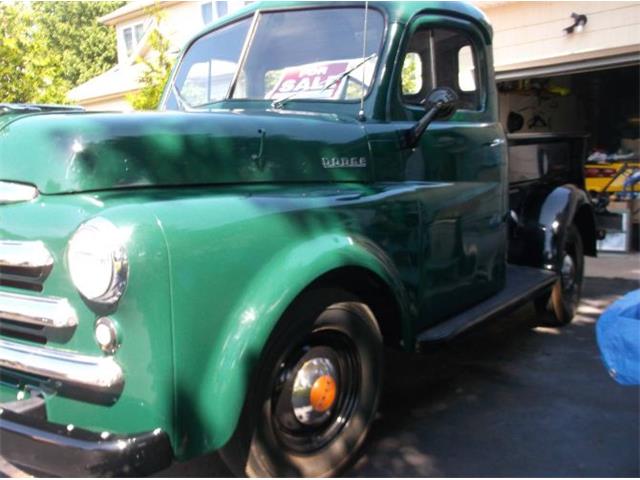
(311, 80)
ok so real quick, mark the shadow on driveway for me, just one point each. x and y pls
(510, 399)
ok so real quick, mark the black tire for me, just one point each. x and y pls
(324, 329)
(560, 306)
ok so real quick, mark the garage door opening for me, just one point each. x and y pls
(604, 105)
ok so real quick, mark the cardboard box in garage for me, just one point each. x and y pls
(631, 206)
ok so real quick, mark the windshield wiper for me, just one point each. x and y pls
(280, 103)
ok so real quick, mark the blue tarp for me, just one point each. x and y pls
(618, 334)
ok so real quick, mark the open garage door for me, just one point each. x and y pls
(600, 98)
(566, 68)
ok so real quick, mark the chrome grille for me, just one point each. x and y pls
(49, 312)
(98, 379)
(35, 318)
(24, 264)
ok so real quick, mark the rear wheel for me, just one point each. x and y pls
(316, 391)
(560, 307)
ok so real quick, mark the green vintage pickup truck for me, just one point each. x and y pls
(321, 181)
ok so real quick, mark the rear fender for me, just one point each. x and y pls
(557, 213)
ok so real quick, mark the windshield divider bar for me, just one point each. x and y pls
(243, 54)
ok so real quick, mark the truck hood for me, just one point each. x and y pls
(79, 151)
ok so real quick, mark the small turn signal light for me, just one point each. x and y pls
(106, 335)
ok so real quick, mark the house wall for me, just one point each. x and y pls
(179, 22)
(184, 20)
(116, 104)
(531, 33)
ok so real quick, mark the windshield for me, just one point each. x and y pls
(301, 54)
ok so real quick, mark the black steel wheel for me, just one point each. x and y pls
(316, 391)
(562, 304)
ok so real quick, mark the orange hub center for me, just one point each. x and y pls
(323, 393)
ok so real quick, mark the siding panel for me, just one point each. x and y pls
(531, 33)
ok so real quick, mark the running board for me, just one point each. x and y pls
(522, 284)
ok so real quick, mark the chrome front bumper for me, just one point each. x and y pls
(34, 444)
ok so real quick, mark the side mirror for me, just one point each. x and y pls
(440, 104)
(444, 100)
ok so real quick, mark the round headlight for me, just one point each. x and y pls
(97, 261)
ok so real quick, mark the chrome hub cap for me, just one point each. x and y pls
(568, 272)
(314, 391)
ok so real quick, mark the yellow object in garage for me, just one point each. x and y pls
(599, 176)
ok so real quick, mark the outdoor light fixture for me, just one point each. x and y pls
(579, 21)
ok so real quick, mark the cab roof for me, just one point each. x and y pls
(395, 11)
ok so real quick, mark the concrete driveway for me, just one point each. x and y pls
(514, 399)
(510, 399)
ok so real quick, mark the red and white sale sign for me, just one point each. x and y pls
(312, 79)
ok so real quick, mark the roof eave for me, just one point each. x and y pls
(129, 11)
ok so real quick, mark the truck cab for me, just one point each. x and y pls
(321, 181)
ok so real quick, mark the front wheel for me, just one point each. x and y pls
(562, 305)
(316, 391)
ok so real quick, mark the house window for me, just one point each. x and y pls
(207, 10)
(222, 8)
(132, 36)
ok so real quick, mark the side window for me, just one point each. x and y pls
(441, 57)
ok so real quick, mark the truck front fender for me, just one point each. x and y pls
(209, 412)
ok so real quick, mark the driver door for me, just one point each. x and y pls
(462, 164)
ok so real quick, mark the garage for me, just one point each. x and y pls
(574, 68)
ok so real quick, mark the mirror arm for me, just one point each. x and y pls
(414, 133)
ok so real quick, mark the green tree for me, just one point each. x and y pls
(47, 48)
(157, 68)
(77, 43)
(20, 79)
(411, 74)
